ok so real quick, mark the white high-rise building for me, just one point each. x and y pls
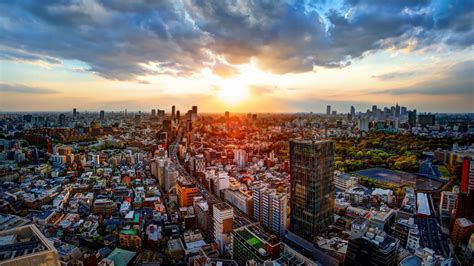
(240, 157)
(170, 176)
(221, 181)
(223, 216)
(270, 209)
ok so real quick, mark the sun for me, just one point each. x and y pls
(233, 92)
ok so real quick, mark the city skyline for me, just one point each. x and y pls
(281, 57)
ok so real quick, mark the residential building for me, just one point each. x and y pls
(447, 203)
(199, 163)
(105, 206)
(201, 210)
(462, 230)
(408, 234)
(270, 209)
(130, 238)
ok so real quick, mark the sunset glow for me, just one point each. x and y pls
(233, 91)
(298, 57)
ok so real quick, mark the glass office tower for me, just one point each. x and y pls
(312, 187)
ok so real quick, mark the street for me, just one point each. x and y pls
(240, 218)
(432, 237)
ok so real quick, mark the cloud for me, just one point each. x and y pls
(19, 88)
(396, 75)
(456, 80)
(119, 39)
(258, 90)
(20, 55)
(224, 70)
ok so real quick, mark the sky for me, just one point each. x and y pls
(236, 55)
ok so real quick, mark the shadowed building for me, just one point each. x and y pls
(312, 187)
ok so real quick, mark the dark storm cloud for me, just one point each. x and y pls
(455, 80)
(117, 38)
(19, 88)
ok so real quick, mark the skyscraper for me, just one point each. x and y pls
(74, 113)
(412, 118)
(62, 120)
(353, 111)
(328, 110)
(173, 110)
(312, 187)
(403, 111)
(194, 113)
(102, 115)
(153, 112)
(374, 110)
(397, 110)
(426, 119)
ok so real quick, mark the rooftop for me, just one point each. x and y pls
(223, 206)
(464, 222)
(121, 257)
(129, 232)
(175, 244)
(25, 241)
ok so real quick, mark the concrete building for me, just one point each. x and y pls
(462, 230)
(26, 245)
(408, 234)
(240, 158)
(220, 182)
(253, 244)
(186, 191)
(105, 207)
(201, 210)
(344, 181)
(199, 164)
(130, 239)
(447, 203)
(363, 123)
(370, 246)
(176, 248)
(170, 177)
(223, 216)
(270, 209)
(240, 199)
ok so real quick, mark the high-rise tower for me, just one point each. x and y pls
(312, 187)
